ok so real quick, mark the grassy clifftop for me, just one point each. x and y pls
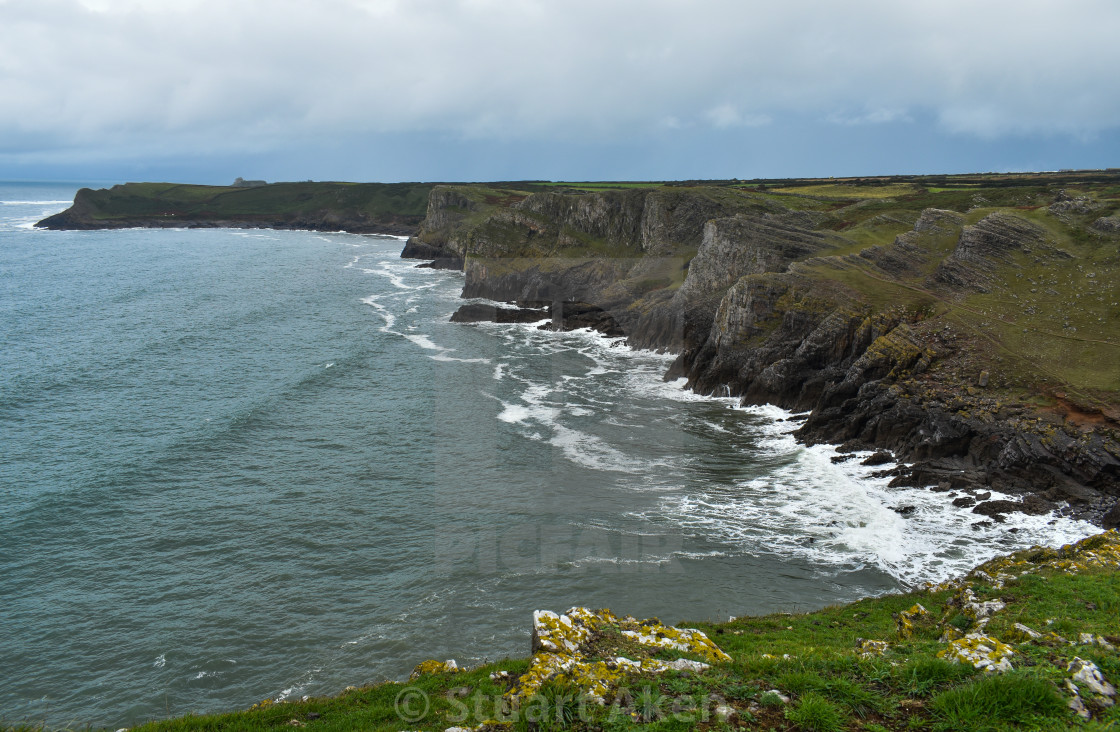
(1027, 641)
(358, 207)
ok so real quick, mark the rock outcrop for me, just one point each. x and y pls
(984, 247)
(771, 304)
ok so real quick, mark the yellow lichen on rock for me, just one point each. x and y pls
(981, 651)
(562, 651)
(1101, 551)
(686, 640)
(430, 666)
(906, 619)
(866, 648)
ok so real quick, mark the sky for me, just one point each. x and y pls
(481, 90)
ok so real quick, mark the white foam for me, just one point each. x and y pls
(160, 661)
(841, 518)
(391, 272)
(834, 516)
(390, 319)
(515, 413)
(424, 342)
(592, 452)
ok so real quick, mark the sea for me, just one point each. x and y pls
(239, 465)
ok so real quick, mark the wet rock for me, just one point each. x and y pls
(964, 502)
(484, 313)
(1111, 519)
(879, 458)
(996, 509)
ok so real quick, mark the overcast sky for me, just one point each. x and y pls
(205, 90)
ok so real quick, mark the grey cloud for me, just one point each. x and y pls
(215, 74)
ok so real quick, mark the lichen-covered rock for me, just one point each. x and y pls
(431, 666)
(1088, 639)
(1101, 551)
(870, 648)
(1022, 632)
(981, 651)
(906, 618)
(569, 648)
(966, 603)
(686, 640)
(1088, 677)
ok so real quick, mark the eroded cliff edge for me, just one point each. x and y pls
(967, 328)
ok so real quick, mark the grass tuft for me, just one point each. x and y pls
(814, 713)
(922, 676)
(1011, 698)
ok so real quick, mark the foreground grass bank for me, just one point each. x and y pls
(1043, 622)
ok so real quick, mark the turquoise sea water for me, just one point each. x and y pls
(247, 464)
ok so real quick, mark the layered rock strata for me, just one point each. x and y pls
(758, 301)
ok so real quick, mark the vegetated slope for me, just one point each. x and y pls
(969, 325)
(1026, 641)
(385, 208)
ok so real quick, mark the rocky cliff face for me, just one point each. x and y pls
(982, 248)
(780, 304)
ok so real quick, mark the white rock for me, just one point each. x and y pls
(1078, 707)
(1088, 676)
(683, 664)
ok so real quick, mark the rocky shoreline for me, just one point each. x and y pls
(754, 318)
(895, 322)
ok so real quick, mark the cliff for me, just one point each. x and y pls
(373, 208)
(969, 328)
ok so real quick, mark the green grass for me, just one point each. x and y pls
(841, 191)
(814, 713)
(829, 686)
(406, 201)
(994, 702)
